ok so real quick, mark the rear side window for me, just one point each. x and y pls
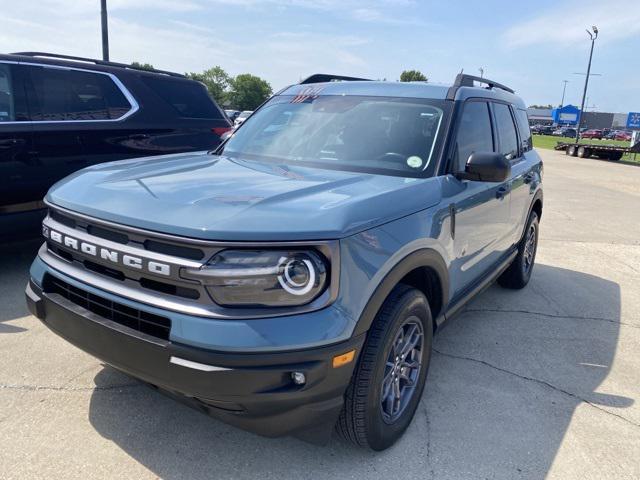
(7, 110)
(62, 95)
(474, 133)
(525, 132)
(188, 99)
(506, 131)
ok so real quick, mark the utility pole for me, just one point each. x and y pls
(105, 30)
(564, 89)
(481, 70)
(593, 37)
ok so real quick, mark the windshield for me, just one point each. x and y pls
(388, 135)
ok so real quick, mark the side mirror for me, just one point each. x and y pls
(486, 167)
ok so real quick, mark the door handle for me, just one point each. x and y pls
(502, 191)
(11, 142)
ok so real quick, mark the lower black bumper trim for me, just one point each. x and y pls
(253, 391)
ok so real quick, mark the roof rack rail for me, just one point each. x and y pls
(464, 80)
(324, 77)
(95, 61)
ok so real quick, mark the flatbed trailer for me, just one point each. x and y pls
(587, 150)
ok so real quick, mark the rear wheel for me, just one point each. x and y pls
(387, 384)
(572, 150)
(615, 155)
(519, 272)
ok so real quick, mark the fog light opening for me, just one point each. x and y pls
(298, 378)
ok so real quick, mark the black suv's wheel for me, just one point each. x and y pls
(387, 384)
(519, 272)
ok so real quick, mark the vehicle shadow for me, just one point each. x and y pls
(15, 259)
(505, 379)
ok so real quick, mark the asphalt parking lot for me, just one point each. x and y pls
(539, 383)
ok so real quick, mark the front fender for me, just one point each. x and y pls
(422, 258)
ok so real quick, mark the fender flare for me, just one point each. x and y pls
(537, 196)
(420, 258)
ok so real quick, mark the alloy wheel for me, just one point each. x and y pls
(402, 369)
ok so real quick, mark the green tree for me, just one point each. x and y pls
(248, 91)
(217, 82)
(413, 76)
(144, 66)
(542, 106)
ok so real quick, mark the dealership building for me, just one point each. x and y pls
(568, 116)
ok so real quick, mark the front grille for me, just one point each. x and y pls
(145, 322)
(182, 252)
(147, 283)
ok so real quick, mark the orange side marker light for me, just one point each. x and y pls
(340, 360)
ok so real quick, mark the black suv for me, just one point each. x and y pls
(59, 114)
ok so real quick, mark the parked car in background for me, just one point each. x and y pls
(232, 114)
(592, 133)
(542, 129)
(59, 114)
(565, 132)
(242, 117)
(622, 135)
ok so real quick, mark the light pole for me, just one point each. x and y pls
(564, 89)
(105, 30)
(593, 35)
(481, 70)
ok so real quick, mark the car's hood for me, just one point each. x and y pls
(216, 198)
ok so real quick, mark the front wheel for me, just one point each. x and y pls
(387, 384)
(519, 272)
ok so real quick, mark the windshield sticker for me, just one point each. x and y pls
(414, 161)
(307, 94)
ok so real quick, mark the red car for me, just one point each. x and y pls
(593, 133)
(626, 136)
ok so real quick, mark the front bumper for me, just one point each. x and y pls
(253, 391)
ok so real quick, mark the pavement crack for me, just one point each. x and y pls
(551, 315)
(65, 388)
(428, 443)
(539, 382)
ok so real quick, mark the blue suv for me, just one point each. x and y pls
(290, 282)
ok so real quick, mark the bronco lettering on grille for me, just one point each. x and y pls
(107, 254)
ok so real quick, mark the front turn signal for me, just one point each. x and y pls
(343, 359)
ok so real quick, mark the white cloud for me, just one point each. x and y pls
(174, 44)
(565, 23)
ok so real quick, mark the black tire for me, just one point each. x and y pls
(572, 150)
(615, 156)
(519, 272)
(364, 420)
(584, 152)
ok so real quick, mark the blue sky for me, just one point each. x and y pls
(529, 45)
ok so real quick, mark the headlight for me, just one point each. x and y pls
(272, 278)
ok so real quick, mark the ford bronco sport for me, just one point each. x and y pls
(291, 280)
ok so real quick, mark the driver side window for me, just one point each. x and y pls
(474, 133)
